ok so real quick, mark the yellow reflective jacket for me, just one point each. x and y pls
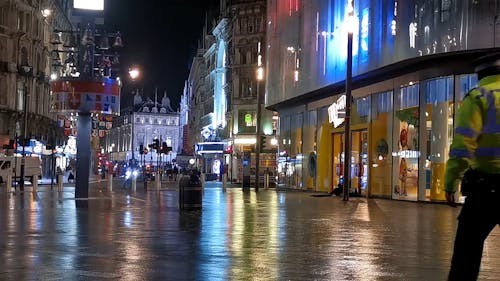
(476, 142)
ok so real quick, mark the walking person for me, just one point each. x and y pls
(176, 172)
(475, 156)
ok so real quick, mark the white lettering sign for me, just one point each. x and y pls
(336, 111)
(97, 5)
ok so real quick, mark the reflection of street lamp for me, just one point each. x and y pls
(348, 94)
(260, 77)
(110, 150)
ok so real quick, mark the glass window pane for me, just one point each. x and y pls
(405, 148)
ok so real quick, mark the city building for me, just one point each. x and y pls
(412, 66)
(136, 129)
(25, 67)
(223, 86)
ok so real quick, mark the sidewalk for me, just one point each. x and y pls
(238, 235)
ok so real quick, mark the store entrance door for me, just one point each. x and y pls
(359, 161)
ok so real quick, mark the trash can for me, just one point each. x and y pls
(190, 192)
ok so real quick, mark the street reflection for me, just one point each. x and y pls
(237, 235)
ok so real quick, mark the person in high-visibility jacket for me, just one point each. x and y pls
(476, 146)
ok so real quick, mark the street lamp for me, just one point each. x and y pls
(260, 77)
(348, 94)
(134, 74)
(25, 71)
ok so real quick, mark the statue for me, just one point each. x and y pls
(165, 102)
(137, 98)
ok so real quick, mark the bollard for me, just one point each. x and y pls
(134, 183)
(9, 183)
(158, 181)
(224, 181)
(35, 183)
(59, 183)
(110, 182)
(266, 180)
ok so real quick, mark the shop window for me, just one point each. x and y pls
(405, 148)
(361, 111)
(438, 134)
(467, 82)
(381, 135)
(285, 169)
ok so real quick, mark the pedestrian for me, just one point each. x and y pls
(71, 176)
(176, 172)
(475, 156)
(59, 172)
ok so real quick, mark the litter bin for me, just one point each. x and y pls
(190, 192)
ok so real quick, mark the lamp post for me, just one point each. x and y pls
(260, 77)
(348, 94)
(25, 71)
(134, 74)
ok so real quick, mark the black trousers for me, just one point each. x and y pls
(479, 215)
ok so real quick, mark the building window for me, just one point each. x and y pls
(20, 21)
(438, 128)
(243, 25)
(251, 25)
(3, 16)
(258, 24)
(243, 57)
(381, 134)
(406, 147)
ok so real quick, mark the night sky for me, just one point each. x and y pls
(161, 38)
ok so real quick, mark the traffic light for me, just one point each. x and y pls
(262, 143)
(141, 149)
(268, 144)
(165, 148)
(11, 145)
(156, 144)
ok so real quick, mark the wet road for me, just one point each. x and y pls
(237, 236)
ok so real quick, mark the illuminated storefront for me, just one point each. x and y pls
(412, 66)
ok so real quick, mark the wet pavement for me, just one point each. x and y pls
(269, 235)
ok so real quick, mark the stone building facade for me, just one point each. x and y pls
(138, 126)
(25, 34)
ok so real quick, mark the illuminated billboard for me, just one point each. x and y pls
(96, 5)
